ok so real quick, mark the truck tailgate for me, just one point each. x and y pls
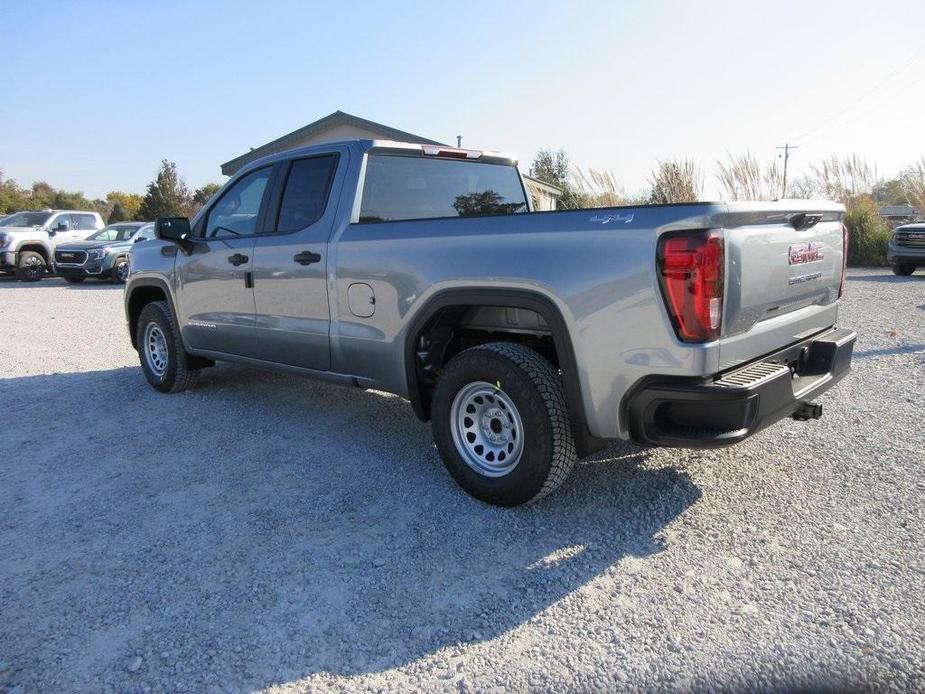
(784, 265)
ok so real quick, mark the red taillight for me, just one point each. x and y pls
(844, 258)
(691, 266)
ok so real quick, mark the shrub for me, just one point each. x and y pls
(868, 234)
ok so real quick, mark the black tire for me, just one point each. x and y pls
(534, 387)
(119, 272)
(31, 267)
(74, 280)
(176, 375)
(903, 269)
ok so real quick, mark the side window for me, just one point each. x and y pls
(60, 219)
(83, 221)
(235, 213)
(401, 187)
(306, 193)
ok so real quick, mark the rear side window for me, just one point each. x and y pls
(399, 187)
(83, 221)
(306, 193)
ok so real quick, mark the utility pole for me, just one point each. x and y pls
(786, 155)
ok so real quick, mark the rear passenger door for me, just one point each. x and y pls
(290, 256)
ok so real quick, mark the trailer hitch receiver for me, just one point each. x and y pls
(807, 411)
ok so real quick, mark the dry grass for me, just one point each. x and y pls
(675, 181)
(844, 179)
(599, 188)
(913, 183)
(743, 178)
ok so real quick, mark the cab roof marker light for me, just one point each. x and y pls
(456, 153)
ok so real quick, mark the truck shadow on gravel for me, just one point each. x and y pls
(262, 528)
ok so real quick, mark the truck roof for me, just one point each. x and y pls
(388, 147)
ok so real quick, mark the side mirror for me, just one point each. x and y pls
(174, 229)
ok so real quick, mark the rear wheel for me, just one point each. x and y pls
(903, 269)
(119, 272)
(501, 425)
(164, 362)
(31, 267)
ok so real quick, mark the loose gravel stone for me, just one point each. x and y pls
(230, 539)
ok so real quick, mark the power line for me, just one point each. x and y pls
(786, 147)
(869, 110)
(863, 96)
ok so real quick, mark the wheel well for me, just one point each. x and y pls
(454, 328)
(41, 250)
(141, 297)
(458, 319)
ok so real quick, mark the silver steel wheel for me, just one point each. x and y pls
(487, 429)
(155, 349)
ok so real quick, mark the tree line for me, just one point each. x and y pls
(165, 196)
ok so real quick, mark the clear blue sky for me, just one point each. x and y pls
(95, 93)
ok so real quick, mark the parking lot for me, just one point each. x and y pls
(263, 531)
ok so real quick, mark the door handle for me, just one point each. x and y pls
(306, 258)
(237, 259)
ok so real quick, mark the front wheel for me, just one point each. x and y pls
(119, 272)
(165, 363)
(501, 425)
(31, 267)
(903, 269)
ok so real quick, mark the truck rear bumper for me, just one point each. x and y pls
(734, 405)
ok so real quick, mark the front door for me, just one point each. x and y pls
(65, 229)
(290, 288)
(216, 296)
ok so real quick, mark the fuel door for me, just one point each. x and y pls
(361, 300)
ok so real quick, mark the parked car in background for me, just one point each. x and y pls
(529, 339)
(906, 251)
(103, 255)
(28, 239)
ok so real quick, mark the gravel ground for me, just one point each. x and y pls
(267, 532)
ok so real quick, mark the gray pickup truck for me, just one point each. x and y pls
(529, 339)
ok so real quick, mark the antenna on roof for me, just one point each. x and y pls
(459, 140)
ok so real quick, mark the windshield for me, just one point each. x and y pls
(25, 219)
(114, 232)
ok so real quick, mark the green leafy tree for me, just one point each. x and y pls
(167, 195)
(12, 197)
(117, 214)
(130, 202)
(555, 168)
(203, 194)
